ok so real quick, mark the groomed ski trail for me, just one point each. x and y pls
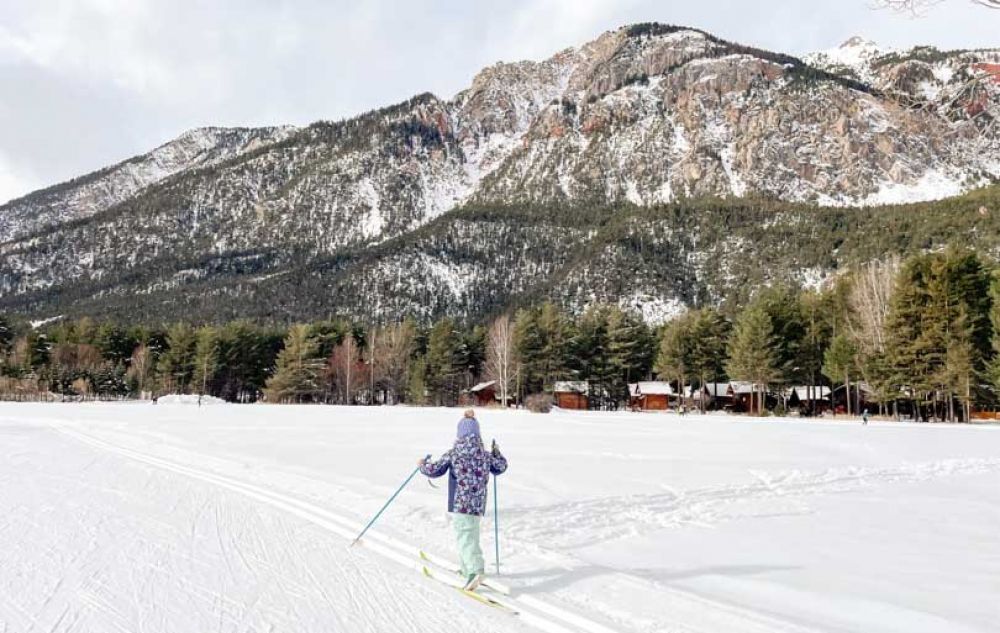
(699, 614)
(556, 620)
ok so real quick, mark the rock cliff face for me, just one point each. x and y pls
(644, 115)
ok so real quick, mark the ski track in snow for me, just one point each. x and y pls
(364, 601)
(158, 544)
(211, 561)
(362, 593)
(581, 524)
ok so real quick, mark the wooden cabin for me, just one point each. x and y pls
(808, 400)
(862, 397)
(717, 396)
(571, 394)
(484, 394)
(650, 395)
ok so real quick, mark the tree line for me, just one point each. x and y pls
(920, 337)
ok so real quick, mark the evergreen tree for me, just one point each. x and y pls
(416, 382)
(784, 308)
(115, 343)
(838, 364)
(206, 360)
(994, 365)
(328, 335)
(556, 333)
(957, 376)
(941, 303)
(675, 358)
(630, 351)
(529, 344)
(908, 349)
(474, 345)
(445, 359)
(247, 354)
(710, 337)
(176, 364)
(754, 352)
(296, 376)
(590, 356)
(6, 335)
(820, 315)
(37, 348)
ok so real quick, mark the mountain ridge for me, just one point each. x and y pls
(644, 115)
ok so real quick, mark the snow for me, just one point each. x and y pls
(653, 308)
(856, 54)
(813, 278)
(188, 398)
(455, 277)
(931, 185)
(40, 322)
(134, 517)
(721, 137)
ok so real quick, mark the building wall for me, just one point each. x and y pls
(485, 398)
(570, 400)
(655, 402)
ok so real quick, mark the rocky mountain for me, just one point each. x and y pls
(88, 195)
(646, 116)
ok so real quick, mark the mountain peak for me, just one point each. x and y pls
(858, 42)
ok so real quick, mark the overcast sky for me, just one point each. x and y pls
(86, 83)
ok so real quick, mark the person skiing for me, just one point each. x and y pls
(864, 417)
(469, 466)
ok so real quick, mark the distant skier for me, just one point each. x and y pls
(864, 417)
(469, 466)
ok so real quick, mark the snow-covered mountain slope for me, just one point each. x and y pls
(89, 195)
(643, 115)
(238, 518)
(482, 259)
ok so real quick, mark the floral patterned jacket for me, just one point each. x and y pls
(469, 466)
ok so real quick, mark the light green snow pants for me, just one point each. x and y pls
(470, 555)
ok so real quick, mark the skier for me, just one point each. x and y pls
(469, 466)
(864, 417)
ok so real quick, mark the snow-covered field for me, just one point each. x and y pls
(135, 517)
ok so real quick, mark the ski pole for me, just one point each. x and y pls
(379, 513)
(496, 517)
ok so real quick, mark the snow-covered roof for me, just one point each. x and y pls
(650, 387)
(482, 385)
(742, 387)
(863, 386)
(716, 388)
(802, 392)
(571, 386)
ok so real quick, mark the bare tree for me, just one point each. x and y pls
(346, 370)
(140, 366)
(501, 359)
(392, 362)
(869, 301)
(917, 7)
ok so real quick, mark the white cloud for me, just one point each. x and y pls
(13, 185)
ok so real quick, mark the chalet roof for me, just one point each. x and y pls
(482, 385)
(742, 387)
(650, 387)
(863, 386)
(716, 388)
(571, 386)
(801, 392)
